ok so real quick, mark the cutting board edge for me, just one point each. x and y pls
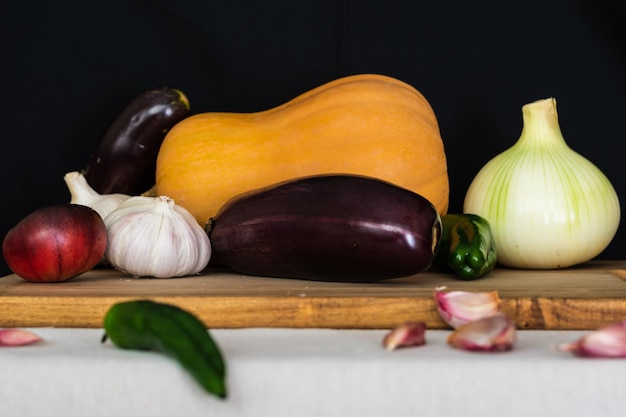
(340, 312)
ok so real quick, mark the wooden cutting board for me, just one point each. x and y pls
(583, 297)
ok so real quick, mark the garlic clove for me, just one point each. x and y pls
(607, 342)
(412, 333)
(489, 334)
(82, 193)
(18, 337)
(154, 237)
(457, 308)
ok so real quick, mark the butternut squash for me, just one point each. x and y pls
(367, 124)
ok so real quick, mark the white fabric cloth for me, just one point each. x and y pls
(310, 372)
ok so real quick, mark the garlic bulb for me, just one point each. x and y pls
(82, 193)
(549, 207)
(154, 237)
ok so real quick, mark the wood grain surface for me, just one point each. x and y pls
(584, 297)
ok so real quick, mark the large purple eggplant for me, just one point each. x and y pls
(340, 228)
(124, 160)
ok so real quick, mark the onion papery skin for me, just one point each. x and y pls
(549, 207)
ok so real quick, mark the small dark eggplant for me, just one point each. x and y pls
(341, 228)
(125, 158)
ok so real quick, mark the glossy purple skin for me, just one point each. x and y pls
(327, 228)
(124, 160)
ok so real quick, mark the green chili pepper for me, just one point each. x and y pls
(467, 246)
(148, 325)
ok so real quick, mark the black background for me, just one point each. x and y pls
(68, 68)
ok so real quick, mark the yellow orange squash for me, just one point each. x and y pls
(366, 124)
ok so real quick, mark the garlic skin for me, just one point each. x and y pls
(154, 237)
(607, 342)
(82, 193)
(495, 333)
(549, 207)
(458, 308)
(409, 334)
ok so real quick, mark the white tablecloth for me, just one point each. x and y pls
(310, 372)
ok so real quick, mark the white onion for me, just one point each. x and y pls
(548, 206)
